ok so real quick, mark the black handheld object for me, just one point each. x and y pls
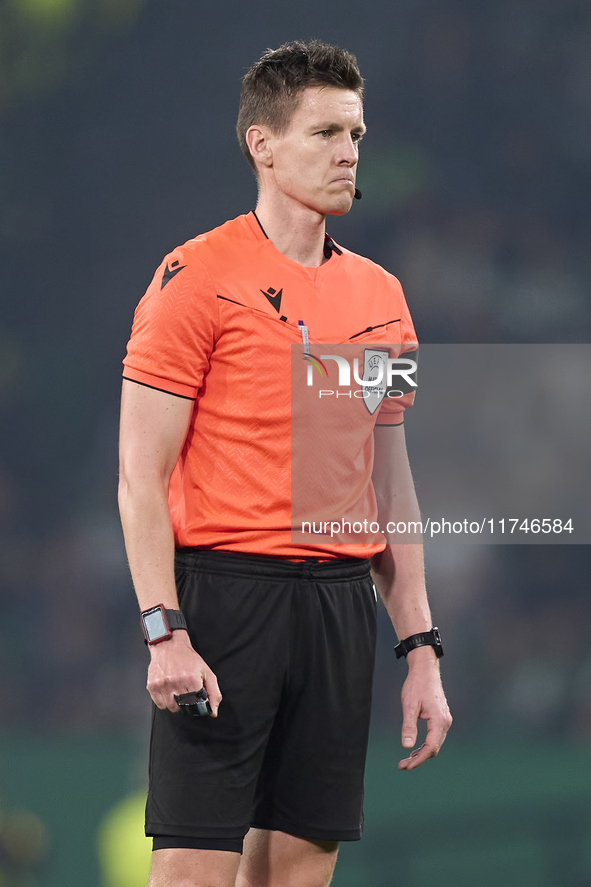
(195, 704)
(357, 194)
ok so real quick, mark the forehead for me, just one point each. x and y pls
(327, 104)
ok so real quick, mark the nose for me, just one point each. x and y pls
(348, 151)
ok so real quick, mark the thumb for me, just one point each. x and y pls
(213, 692)
(409, 728)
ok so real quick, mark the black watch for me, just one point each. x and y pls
(159, 623)
(424, 639)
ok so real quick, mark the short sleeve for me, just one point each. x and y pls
(174, 327)
(401, 392)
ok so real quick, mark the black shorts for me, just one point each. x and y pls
(292, 645)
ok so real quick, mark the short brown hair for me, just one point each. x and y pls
(272, 88)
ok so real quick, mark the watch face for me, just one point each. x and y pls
(155, 624)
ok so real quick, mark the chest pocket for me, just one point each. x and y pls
(384, 333)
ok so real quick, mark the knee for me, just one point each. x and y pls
(211, 879)
(179, 867)
(285, 880)
(287, 862)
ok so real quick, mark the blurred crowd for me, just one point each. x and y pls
(117, 144)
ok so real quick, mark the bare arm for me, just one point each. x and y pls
(154, 425)
(399, 576)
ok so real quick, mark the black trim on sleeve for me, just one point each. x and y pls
(389, 424)
(154, 388)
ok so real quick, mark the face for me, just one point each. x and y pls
(314, 162)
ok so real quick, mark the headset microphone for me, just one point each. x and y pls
(357, 194)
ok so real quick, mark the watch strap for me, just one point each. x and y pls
(430, 638)
(175, 619)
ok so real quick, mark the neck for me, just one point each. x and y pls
(296, 231)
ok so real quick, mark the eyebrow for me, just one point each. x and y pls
(362, 128)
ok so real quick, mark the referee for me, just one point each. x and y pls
(277, 629)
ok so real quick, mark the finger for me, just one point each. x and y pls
(417, 757)
(214, 696)
(157, 698)
(190, 684)
(409, 727)
(164, 699)
(436, 731)
(163, 696)
(173, 705)
(437, 728)
(405, 763)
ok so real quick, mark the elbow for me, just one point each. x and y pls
(122, 489)
(139, 482)
(131, 480)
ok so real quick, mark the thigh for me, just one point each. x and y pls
(276, 859)
(311, 781)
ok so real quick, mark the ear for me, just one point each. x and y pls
(258, 139)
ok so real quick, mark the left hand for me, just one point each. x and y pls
(423, 697)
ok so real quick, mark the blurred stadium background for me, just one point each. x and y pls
(117, 143)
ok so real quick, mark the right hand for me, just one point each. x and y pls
(176, 668)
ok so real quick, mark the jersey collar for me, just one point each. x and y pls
(330, 246)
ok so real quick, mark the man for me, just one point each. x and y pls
(287, 628)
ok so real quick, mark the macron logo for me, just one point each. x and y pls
(169, 273)
(274, 297)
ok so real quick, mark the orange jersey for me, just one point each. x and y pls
(220, 324)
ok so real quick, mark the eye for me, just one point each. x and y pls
(325, 133)
(356, 136)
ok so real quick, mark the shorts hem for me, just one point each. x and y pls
(154, 829)
(176, 842)
(311, 833)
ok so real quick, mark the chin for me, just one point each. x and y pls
(338, 205)
(342, 209)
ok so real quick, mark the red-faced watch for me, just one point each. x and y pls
(159, 623)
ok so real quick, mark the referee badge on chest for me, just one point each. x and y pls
(375, 364)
